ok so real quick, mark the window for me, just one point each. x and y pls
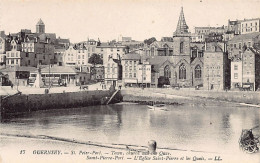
(82, 56)
(126, 75)
(167, 71)
(240, 46)
(181, 47)
(126, 62)
(198, 72)
(249, 44)
(235, 67)
(130, 75)
(134, 75)
(17, 61)
(12, 54)
(78, 56)
(126, 68)
(182, 72)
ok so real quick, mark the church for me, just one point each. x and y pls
(179, 62)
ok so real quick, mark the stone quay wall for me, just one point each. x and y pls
(248, 97)
(34, 102)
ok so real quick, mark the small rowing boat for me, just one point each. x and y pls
(161, 107)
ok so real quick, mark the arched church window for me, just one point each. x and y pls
(182, 71)
(167, 71)
(198, 72)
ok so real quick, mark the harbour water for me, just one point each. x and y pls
(208, 127)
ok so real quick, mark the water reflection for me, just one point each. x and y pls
(192, 127)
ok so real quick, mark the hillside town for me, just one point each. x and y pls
(212, 58)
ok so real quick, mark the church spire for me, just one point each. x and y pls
(182, 27)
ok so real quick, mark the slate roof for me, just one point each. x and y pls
(59, 70)
(40, 22)
(21, 68)
(131, 56)
(245, 36)
(160, 44)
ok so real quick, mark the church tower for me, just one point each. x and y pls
(40, 27)
(181, 37)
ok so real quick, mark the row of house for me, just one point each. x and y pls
(213, 63)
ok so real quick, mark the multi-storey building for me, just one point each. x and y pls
(3, 48)
(234, 27)
(97, 73)
(144, 74)
(38, 52)
(107, 51)
(90, 47)
(59, 55)
(130, 64)
(113, 72)
(70, 56)
(251, 68)
(208, 30)
(15, 55)
(216, 67)
(82, 55)
(236, 71)
(250, 26)
(240, 42)
(197, 37)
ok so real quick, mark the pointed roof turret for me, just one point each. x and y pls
(40, 22)
(182, 27)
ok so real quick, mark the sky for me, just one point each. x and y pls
(79, 20)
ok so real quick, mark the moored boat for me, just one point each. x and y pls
(161, 107)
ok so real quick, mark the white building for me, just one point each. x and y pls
(70, 56)
(250, 25)
(113, 72)
(197, 37)
(14, 56)
(2, 50)
(111, 51)
(130, 63)
(236, 73)
(144, 74)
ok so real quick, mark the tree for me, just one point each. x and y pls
(95, 59)
(150, 40)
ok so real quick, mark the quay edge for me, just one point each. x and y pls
(33, 102)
